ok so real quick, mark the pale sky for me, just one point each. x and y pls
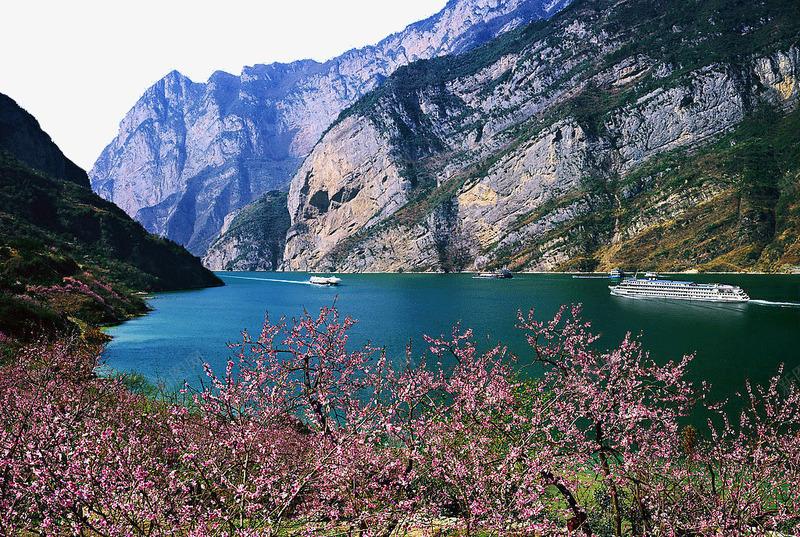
(78, 66)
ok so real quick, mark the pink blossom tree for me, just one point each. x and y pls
(78, 453)
(302, 427)
(742, 477)
(303, 379)
(612, 420)
(473, 435)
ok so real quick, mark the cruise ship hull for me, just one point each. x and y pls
(667, 289)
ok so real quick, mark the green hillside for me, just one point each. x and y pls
(751, 222)
(256, 236)
(69, 259)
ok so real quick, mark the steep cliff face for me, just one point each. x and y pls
(349, 184)
(189, 154)
(534, 144)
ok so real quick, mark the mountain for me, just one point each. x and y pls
(650, 134)
(21, 135)
(69, 259)
(255, 238)
(189, 154)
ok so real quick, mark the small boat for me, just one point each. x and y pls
(502, 274)
(614, 274)
(325, 280)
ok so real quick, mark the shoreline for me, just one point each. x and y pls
(690, 272)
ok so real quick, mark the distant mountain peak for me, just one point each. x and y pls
(188, 154)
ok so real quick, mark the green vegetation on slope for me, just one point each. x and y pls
(750, 221)
(260, 231)
(737, 203)
(70, 259)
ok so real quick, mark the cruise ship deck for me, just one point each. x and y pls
(680, 290)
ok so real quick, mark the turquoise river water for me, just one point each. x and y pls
(731, 342)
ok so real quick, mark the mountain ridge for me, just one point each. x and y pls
(21, 135)
(188, 154)
(520, 152)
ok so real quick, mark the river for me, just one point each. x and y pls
(731, 342)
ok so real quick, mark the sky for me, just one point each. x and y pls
(78, 66)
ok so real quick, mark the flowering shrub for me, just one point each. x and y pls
(302, 431)
(88, 299)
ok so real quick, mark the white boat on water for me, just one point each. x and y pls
(325, 280)
(652, 287)
(502, 274)
(614, 274)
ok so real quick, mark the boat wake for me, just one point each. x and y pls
(776, 304)
(302, 282)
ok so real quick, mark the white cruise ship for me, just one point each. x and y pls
(654, 288)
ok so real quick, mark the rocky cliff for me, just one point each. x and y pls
(561, 145)
(189, 154)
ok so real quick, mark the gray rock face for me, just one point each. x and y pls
(349, 183)
(189, 154)
(505, 150)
